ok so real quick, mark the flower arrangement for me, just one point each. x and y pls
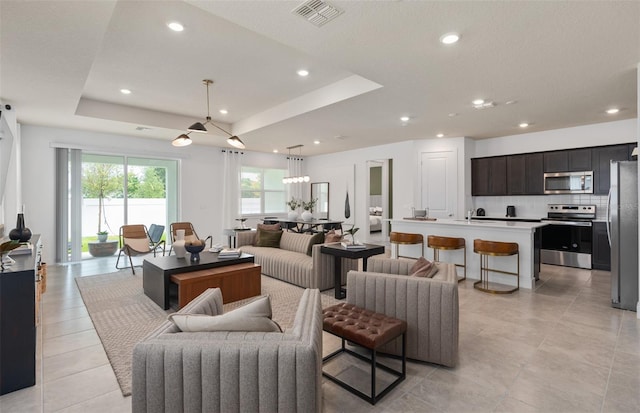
(308, 206)
(294, 204)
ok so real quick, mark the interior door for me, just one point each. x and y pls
(438, 183)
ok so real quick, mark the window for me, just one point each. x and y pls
(262, 191)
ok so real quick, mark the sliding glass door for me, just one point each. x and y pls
(104, 192)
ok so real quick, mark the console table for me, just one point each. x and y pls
(18, 320)
(338, 251)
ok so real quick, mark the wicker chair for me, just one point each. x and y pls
(135, 241)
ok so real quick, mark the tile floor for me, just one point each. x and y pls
(561, 348)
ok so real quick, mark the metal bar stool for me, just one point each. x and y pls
(405, 238)
(496, 249)
(448, 243)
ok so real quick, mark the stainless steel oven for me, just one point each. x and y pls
(568, 238)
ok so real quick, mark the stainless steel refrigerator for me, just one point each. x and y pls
(622, 227)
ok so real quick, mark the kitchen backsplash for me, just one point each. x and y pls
(536, 206)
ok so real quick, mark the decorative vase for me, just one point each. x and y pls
(20, 232)
(178, 244)
(347, 207)
(102, 237)
(307, 215)
(293, 216)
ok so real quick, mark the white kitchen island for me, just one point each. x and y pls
(526, 234)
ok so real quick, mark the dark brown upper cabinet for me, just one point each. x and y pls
(579, 160)
(535, 173)
(556, 161)
(516, 175)
(602, 157)
(489, 176)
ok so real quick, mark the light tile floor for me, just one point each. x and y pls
(561, 348)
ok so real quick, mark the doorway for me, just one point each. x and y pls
(379, 199)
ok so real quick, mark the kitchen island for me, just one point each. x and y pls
(526, 234)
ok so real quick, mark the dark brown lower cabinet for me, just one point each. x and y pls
(601, 252)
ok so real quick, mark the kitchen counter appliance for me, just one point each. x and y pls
(568, 182)
(567, 239)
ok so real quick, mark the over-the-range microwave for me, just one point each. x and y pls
(568, 182)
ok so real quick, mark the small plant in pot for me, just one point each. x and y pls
(293, 205)
(352, 231)
(307, 215)
(102, 235)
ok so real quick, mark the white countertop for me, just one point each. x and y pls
(476, 224)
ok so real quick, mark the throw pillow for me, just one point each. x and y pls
(269, 227)
(315, 239)
(423, 268)
(253, 316)
(268, 239)
(331, 236)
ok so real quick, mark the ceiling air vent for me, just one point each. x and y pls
(317, 12)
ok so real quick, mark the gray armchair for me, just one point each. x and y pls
(174, 371)
(428, 305)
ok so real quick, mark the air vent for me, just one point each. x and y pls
(317, 12)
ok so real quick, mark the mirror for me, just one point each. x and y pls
(320, 190)
(379, 200)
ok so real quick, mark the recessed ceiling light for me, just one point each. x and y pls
(303, 72)
(316, 142)
(404, 119)
(275, 151)
(510, 102)
(224, 111)
(524, 125)
(175, 26)
(613, 111)
(125, 91)
(440, 135)
(449, 38)
(452, 115)
(478, 102)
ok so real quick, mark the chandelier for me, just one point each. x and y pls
(198, 127)
(298, 177)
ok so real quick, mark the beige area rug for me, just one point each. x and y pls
(123, 315)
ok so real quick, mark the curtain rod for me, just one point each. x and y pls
(230, 151)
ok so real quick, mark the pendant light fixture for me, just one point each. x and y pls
(299, 178)
(184, 139)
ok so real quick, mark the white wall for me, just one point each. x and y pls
(200, 173)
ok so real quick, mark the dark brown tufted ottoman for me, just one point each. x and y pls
(367, 329)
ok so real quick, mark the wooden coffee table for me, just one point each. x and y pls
(157, 272)
(237, 282)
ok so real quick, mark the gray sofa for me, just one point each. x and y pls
(428, 305)
(174, 371)
(290, 262)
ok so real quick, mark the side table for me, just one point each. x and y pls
(338, 251)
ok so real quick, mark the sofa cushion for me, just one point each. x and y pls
(253, 316)
(268, 238)
(269, 227)
(315, 239)
(292, 241)
(423, 268)
(331, 236)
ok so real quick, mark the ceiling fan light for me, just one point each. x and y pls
(235, 142)
(182, 140)
(197, 127)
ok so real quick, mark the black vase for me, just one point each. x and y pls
(20, 232)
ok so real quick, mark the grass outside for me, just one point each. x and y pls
(94, 238)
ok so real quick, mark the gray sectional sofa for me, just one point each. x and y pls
(174, 371)
(428, 305)
(290, 262)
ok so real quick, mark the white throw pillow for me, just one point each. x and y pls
(253, 316)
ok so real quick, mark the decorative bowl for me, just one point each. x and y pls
(195, 250)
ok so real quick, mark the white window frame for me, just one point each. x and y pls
(263, 191)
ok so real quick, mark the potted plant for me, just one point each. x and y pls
(293, 205)
(307, 215)
(352, 231)
(102, 236)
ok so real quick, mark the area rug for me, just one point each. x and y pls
(122, 315)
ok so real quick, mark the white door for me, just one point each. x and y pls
(439, 183)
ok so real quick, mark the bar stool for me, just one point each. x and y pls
(448, 243)
(496, 249)
(405, 238)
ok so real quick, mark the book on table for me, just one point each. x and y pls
(352, 246)
(229, 253)
(24, 248)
